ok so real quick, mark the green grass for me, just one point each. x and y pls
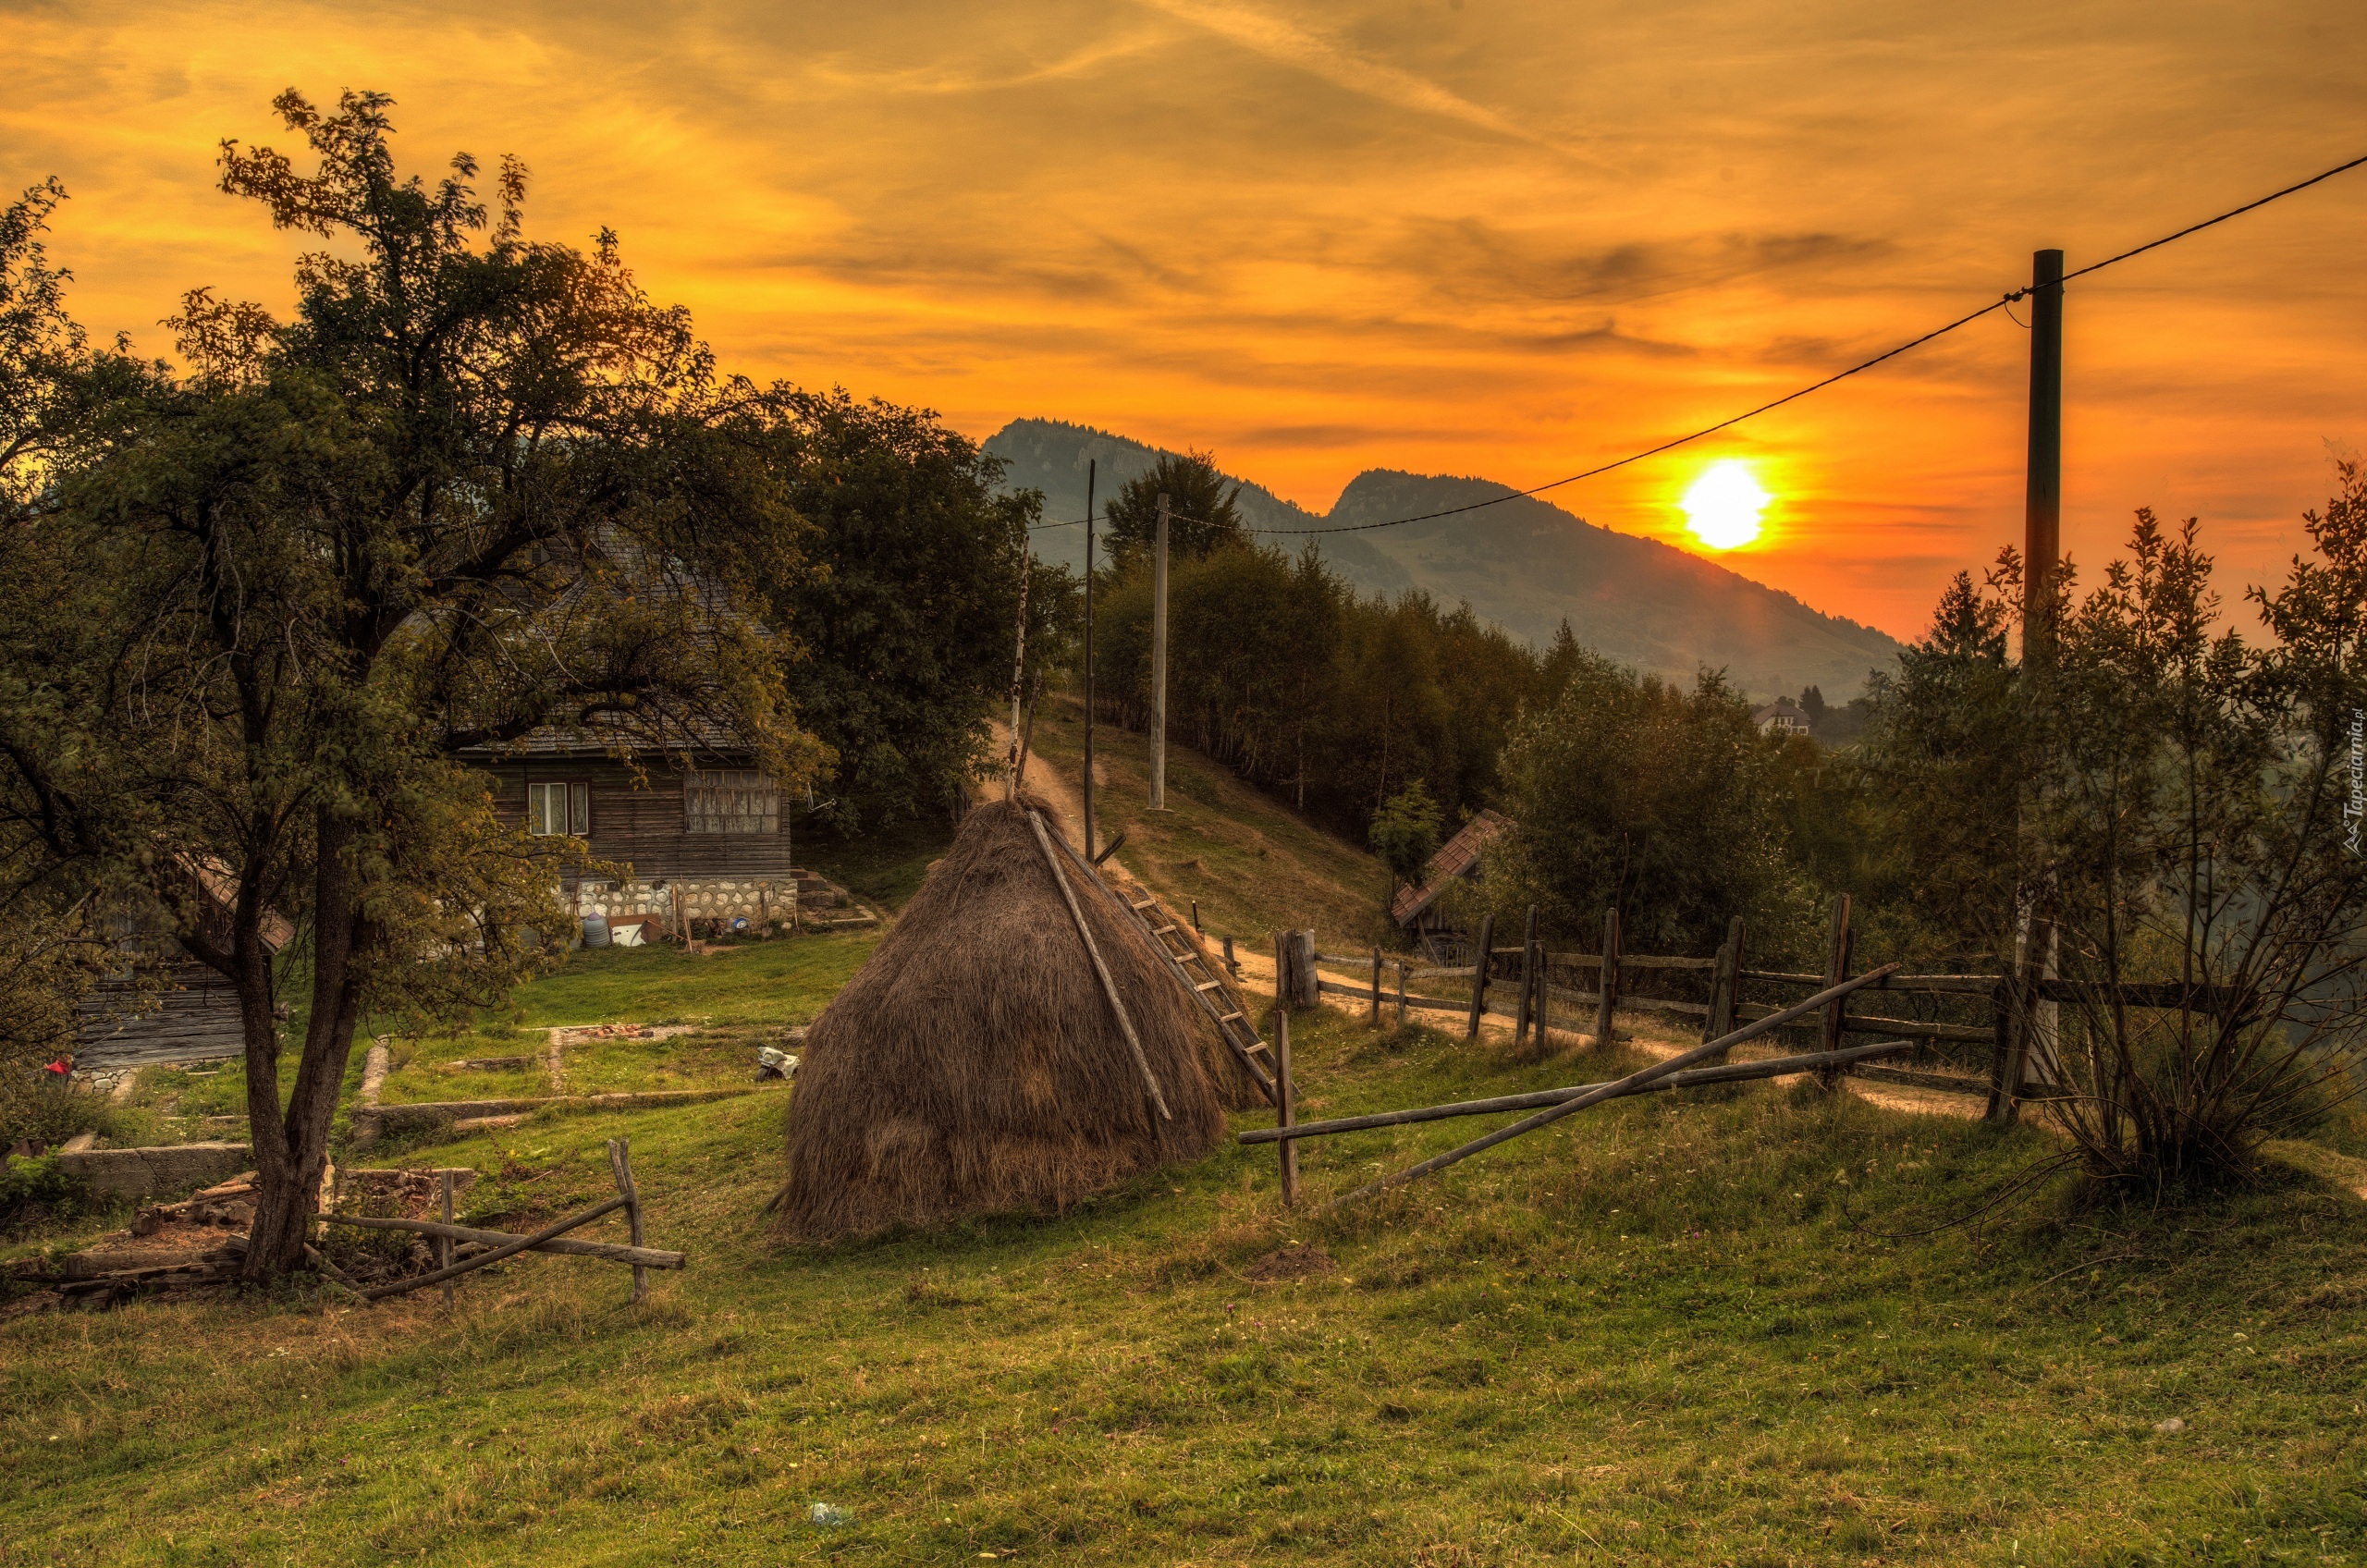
(1682, 1329)
(739, 999)
(1254, 867)
(883, 866)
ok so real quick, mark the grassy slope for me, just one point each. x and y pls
(1253, 867)
(739, 998)
(1669, 1330)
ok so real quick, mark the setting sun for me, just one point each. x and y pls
(1723, 506)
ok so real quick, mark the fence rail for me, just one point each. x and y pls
(1523, 984)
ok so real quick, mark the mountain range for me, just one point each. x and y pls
(1525, 564)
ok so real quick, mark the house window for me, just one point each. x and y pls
(558, 808)
(731, 801)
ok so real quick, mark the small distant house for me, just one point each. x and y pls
(1417, 909)
(1782, 717)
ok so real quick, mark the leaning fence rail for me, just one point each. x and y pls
(1526, 985)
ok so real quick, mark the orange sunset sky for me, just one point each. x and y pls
(1459, 236)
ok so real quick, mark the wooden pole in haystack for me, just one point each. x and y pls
(1018, 666)
(1093, 951)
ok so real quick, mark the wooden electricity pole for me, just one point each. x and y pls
(2035, 1020)
(2042, 507)
(1091, 849)
(1158, 665)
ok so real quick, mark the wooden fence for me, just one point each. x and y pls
(1979, 1035)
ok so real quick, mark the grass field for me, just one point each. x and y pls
(1675, 1330)
(1254, 867)
(1736, 1327)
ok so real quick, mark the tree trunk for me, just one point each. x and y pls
(292, 1147)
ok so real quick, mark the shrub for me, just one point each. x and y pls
(36, 1189)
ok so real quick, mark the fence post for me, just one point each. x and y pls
(1479, 974)
(1718, 983)
(1607, 986)
(1726, 984)
(443, 1243)
(1400, 993)
(1376, 986)
(1231, 966)
(1540, 1010)
(2001, 1053)
(1282, 1105)
(620, 1162)
(1305, 983)
(1528, 978)
(1837, 970)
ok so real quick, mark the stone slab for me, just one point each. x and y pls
(175, 1169)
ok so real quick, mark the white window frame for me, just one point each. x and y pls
(559, 807)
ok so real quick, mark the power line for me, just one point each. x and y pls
(2000, 303)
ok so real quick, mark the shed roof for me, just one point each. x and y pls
(1459, 857)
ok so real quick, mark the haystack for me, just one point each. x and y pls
(976, 1064)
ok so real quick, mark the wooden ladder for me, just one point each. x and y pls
(1214, 993)
(1197, 972)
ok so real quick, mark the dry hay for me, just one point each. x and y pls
(974, 1065)
(1297, 1260)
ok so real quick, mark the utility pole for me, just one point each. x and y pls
(2042, 509)
(1090, 848)
(2036, 955)
(1158, 667)
(1018, 664)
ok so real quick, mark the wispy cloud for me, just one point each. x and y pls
(1286, 43)
(842, 73)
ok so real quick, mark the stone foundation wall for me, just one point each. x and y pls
(755, 899)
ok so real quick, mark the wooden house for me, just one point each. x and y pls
(707, 842)
(1418, 909)
(164, 1006)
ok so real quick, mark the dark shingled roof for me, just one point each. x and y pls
(1460, 857)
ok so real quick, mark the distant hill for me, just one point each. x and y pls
(1526, 565)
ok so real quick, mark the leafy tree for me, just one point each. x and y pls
(908, 621)
(479, 486)
(2189, 825)
(1405, 831)
(1203, 516)
(59, 400)
(1664, 802)
(1941, 770)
